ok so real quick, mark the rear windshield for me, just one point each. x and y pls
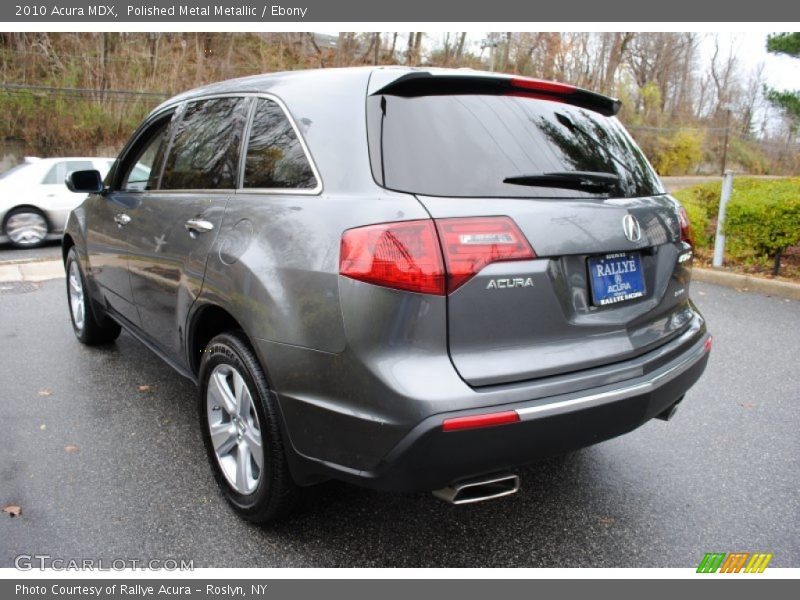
(466, 145)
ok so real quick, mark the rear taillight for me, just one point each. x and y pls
(469, 244)
(686, 228)
(407, 255)
(404, 255)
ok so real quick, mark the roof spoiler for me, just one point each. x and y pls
(429, 84)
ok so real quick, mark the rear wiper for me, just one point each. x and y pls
(588, 181)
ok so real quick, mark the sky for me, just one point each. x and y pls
(781, 72)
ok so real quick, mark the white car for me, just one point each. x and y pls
(35, 203)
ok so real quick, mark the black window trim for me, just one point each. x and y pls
(135, 145)
(239, 189)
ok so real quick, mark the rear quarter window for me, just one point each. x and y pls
(275, 158)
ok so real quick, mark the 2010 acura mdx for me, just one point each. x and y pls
(408, 279)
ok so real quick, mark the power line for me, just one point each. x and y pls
(141, 58)
(17, 87)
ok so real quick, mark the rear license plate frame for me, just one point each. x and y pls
(619, 280)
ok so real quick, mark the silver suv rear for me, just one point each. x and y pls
(406, 279)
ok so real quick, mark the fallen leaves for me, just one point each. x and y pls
(12, 510)
(607, 521)
(71, 449)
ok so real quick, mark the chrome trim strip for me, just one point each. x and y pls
(565, 406)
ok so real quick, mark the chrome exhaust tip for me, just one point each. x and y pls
(479, 489)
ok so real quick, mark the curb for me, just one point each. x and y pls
(769, 287)
(31, 271)
(25, 261)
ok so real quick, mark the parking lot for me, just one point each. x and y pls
(101, 450)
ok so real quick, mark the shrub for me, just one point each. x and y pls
(763, 216)
(700, 223)
(701, 203)
(679, 153)
(763, 220)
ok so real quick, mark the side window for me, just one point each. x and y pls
(59, 171)
(140, 169)
(275, 158)
(204, 154)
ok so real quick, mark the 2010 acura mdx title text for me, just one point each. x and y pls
(408, 279)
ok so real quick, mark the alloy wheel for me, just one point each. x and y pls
(76, 304)
(235, 430)
(26, 228)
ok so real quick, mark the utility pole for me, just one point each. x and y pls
(725, 142)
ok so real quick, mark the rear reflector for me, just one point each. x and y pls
(475, 421)
(469, 244)
(404, 255)
(707, 345)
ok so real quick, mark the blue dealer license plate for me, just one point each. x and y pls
(616, 278)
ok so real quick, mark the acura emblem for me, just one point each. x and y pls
(631, 227)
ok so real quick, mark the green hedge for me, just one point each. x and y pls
(701, 203)
(763, 216)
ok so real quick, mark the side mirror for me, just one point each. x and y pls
(85, 182)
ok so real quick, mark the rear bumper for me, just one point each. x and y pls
(428, 458)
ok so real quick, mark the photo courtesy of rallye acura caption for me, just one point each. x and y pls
(407, 279)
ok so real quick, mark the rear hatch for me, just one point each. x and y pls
(608, 275)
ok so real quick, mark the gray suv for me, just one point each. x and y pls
(408, 279)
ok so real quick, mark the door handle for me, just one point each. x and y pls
(199, 226)
(121, 219)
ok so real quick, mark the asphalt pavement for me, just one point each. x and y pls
(105, 468)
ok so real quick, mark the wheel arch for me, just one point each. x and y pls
(207, 321)
(66, 243)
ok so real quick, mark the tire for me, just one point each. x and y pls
(87, 328)
(244, 424)
(26, 227)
